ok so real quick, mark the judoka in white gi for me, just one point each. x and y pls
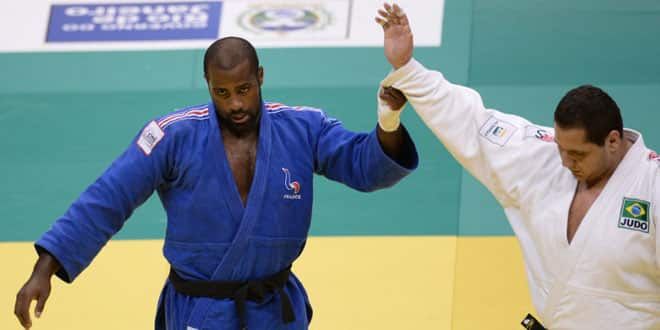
(235, 176)
(583, 198)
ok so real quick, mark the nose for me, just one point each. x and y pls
(235, 103)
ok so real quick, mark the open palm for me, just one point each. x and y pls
(398, 39)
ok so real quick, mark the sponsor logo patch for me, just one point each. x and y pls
(291, 186)
(538, 133)
(635, 215)
(497, 131)
(151, 135)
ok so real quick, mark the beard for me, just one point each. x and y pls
(243, 121)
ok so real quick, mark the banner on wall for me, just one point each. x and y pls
(134, 21)
(293, 20)
(90, 25)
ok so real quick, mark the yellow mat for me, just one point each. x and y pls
(353, 282)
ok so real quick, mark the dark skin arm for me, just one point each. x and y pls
(398, 50)
(36, 288)
(395, 144)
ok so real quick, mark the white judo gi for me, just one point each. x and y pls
(608, 277)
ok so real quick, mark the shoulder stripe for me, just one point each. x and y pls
(170, 119)
(274, 104)
(181, 112)
(273, 107)
(184, 119)
(297, 109)
(197, 114)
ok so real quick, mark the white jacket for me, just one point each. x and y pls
(609, 276)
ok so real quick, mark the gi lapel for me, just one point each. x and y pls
(592, 222)
(255, 198)
(217, 151)
(249, 217)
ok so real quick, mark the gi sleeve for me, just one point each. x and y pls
(489, 144)
(101, 210)
(357, 159)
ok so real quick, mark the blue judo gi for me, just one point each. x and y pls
(210, 234)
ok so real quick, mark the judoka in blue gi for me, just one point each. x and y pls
(235, 178)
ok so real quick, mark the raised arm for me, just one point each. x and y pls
(491, 145)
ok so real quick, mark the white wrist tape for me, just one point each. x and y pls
(388, 119)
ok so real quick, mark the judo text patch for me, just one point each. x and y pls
(635, 215)
(151, 135)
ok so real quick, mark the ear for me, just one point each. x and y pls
(260, 75)
(613, 140)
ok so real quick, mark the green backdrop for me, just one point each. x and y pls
(65, 116)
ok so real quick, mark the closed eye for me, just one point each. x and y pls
(577, 154)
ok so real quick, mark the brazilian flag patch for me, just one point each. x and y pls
(635, 215)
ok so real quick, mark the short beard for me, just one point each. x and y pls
(247, 128)
(244, 129)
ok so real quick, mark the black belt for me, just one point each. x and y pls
(531, 323)
(255, 290)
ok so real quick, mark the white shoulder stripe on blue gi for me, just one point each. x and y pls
(194, 114)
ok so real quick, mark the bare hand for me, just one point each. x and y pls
(398, 37)
(393, 97)
(36, 288)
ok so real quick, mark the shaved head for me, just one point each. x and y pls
(227, 53)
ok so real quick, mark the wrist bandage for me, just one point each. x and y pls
(388, 119)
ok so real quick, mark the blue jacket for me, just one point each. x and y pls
(210, 234)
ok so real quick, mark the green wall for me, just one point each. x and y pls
(65, 116)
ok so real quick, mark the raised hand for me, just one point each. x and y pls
(398, 37)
